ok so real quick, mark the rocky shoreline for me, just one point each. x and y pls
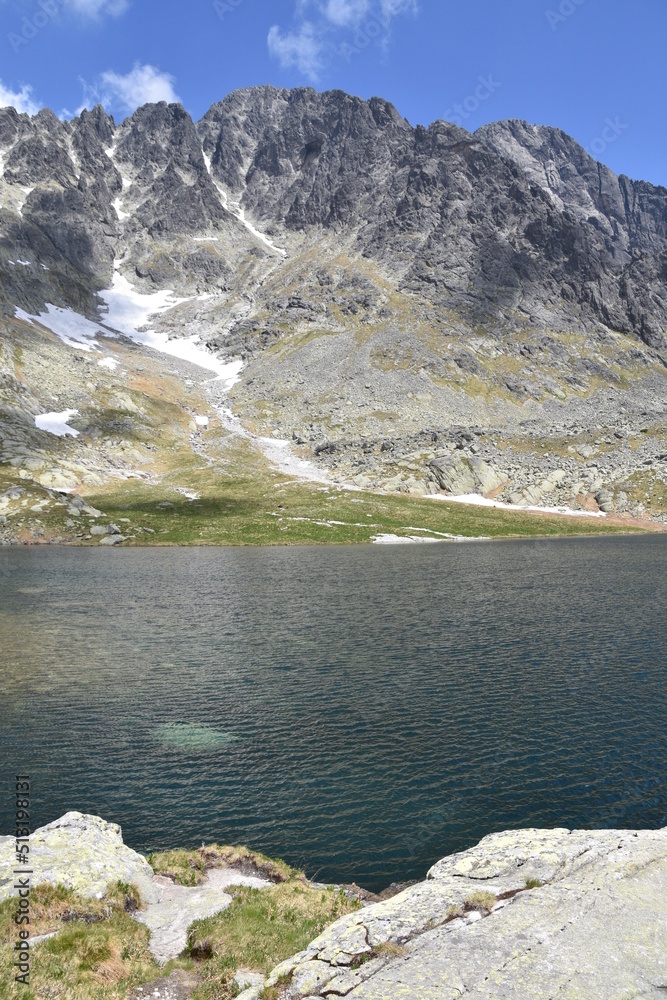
(525, 913)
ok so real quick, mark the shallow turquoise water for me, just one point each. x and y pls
(360, 711)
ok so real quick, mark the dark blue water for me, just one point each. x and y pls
(359, 711)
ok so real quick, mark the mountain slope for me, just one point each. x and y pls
(417, 310)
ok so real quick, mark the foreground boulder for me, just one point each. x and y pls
(83, 853)
(527, 914)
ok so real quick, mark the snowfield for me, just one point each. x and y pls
(480, 501)
(56, 423)
(73, 329)
(129, 311)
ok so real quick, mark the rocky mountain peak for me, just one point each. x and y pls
(409, 304)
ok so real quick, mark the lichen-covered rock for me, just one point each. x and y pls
(584, 916)
(83, 853)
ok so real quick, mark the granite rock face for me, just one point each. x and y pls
(594, 927)
(514, 217)
(511, 225)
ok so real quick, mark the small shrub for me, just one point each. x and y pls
(481, 901)
(533, 883)
(201, 951)
(390, 949)
(455, 911)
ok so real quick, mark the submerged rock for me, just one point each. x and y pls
(192, 736)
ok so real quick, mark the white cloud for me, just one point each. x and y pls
(318, 28)
(21, 99)
(127, 92)
(142, 85)
(95, 8)
(301, 49)
(344, 13)
(392, 8)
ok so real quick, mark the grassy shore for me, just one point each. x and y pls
(241, 511)
(100, 952)
(246, 510)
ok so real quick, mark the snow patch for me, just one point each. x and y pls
(279, 453)
(56, 423)
(402, 539)
(479, 501)
(238, 212)
(276, 450)
(240, 215)
(27, 191)
(417, 539)
(119, 212)
(201, 421)
(109, 363)
(74, 330)
(128, 311)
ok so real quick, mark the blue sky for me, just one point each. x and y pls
(595, 68)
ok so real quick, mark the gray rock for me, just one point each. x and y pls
(112, 539)
(462, 476)
(246, 980)
(594, 925)
(84, 853)
(460, 349)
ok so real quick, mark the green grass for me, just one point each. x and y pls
(98, 960)
(261, 928)
(237, 509)
(101, 952)
(251, 509)
(243, 501)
